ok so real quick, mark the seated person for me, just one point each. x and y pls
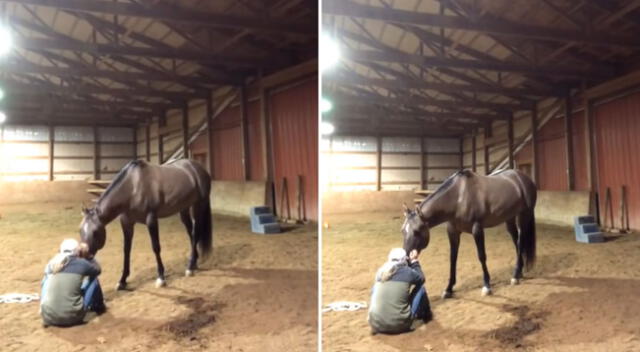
(394, 305)
(70, 287)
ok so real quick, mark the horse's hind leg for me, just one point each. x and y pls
(478, 236)
(454, 242)
(152, 225)
(513, 231)
(185, 216)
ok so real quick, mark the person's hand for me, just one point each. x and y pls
(413, 256)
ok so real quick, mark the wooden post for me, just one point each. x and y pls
(267, 149)
(568, 133)
(379, 164)
(135, 142)
(160, 149)
(461, 153)
(473, 151)
(147, 140)
(244, 131)
(185, 130)
(51, 142)
(426, 164)
(592, 166)
(422, 164)
(510, 141)
(486, 158)
(534, 143)
(210, 134)
(96, 154)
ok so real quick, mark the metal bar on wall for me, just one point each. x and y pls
(51, 141)
(244, 125)
(568, 132)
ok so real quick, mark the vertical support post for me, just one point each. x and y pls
(591, 144)
(96, 154)
(426, 163)
(135, 142)
(185, 130)
(474, 165)
(147, 140)
(244, 130)
(510, 141)
(160, 149)
(568, 132)
(267, 148)
(486, 158)
(461, 149)
(422, 163)
(209, 103)
(534, 143)
(379, 164)
(51, 142)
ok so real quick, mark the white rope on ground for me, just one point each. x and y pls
(19, 298)
(342, 306)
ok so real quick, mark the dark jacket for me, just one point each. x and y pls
(61, 302)
(390, 309)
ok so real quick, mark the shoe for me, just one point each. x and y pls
(100, 310)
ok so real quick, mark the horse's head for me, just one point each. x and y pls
(92, 231)
(414, 230)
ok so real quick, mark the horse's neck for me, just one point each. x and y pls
(440, 209)
(114, 203)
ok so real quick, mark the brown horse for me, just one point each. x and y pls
(469, 202)
(142, 193)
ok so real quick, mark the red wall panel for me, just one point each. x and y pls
(552, 157)
(294, 121)
(254, 127)
(617, 126)
(227, 145)
(581, 173)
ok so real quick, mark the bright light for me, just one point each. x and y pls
(329, 52)
(326, 128)
(3, 117)
(325, 105)
(6, 41)
(1, 94)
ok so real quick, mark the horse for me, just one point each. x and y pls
(143, 193)
(469, 202)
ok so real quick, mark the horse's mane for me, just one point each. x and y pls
(444, 186)
(119, 177)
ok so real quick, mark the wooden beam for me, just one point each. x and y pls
(379, 163)
(592, 163)
(244, 131)
(473, 151)
(487, 168)
(534, 144)
(180, 15)
(267, 150)
(501, 27)
(422, 163)
(210, 151)
(614, 86)
(510, 142)
(147, 140)
(51, 156)
(568, 133)
(160, 150)
(96, 153)
(135, 142)
(185, 131)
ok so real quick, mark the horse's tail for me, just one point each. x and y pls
(528, 238)
(204, 227)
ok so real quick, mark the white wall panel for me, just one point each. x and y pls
(442, 145)
(72, 149)
(116, 150)
(400, 144)
(25, 133)
(73, 134)
(72, 165)
(436, 160)
(400, 160)
(354, 144)
(115, 134)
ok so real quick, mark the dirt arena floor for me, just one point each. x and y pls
(257, 293)
(579, 297)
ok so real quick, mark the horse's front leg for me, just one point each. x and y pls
(513, 231)
(478, 236)
(454, 242)
(152, 225)
(127, 231)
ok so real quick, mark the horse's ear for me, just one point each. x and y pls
(405, 209)
(84, 210)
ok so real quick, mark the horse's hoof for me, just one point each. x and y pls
(515, 281)
(121, 286)
(486, 291)
(447, 294)
(188, 273)
(160, 283)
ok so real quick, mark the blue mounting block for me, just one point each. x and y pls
(263, 221)
(587, 230)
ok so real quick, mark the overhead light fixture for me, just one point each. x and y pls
(325, 105)
(1, 93)
(329, 52)
(6, 40)
(3, 117)
(326, 128)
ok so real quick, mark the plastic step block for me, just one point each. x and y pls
(588, 219)
(259, 210)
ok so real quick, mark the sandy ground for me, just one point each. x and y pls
(257, 293)
(578, 298)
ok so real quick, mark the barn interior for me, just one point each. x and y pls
(421, 89)
(87, 86)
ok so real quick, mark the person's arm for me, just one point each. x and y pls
(417, 277)
(89, 267)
